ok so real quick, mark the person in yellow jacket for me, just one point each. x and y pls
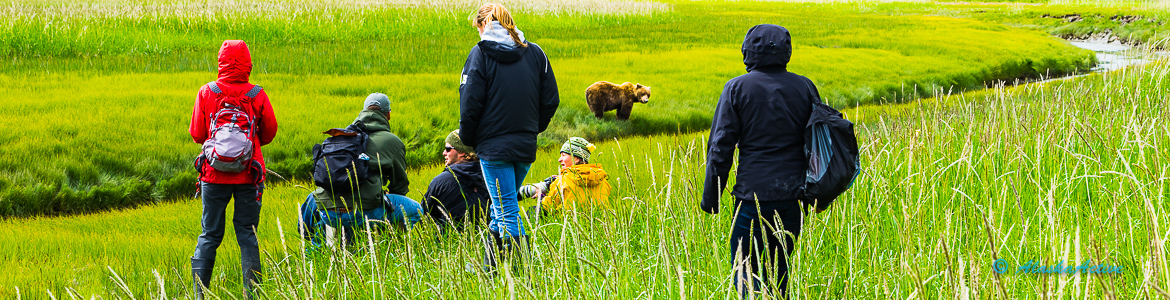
(579, 184)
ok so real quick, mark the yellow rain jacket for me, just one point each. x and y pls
(584, 185)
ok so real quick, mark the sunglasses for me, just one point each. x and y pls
(448, 148)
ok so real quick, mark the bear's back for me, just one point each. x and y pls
(605, 91)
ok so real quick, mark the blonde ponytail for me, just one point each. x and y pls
(496, 12)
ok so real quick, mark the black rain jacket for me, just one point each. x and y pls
(507, 95)
(763, 113)
(457, 193)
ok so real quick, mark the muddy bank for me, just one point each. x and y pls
(1130, 30)
(1107, 37)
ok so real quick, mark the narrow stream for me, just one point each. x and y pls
(1116, 56)
(1112, 57)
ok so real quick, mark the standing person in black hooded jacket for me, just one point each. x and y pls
(763, 113)
(507, 95)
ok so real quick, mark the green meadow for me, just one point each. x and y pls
(96, 182)
(1064, 172)
(1131, 24)
(104, 90)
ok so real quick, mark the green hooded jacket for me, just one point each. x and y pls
(387, 171)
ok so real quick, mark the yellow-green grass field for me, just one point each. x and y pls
(1059, 173)
(95, 179)
(104, 97)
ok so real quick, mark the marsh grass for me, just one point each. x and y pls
(105, 99)
(98, 9)
(1068, 171)
(1143, 23)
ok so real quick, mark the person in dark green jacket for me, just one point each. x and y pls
(382, 196)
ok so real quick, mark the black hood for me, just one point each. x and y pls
(767, 45)
(468, 173)
(502, 53)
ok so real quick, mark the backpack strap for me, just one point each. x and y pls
(254, 91)
(214, 87)
(365, 141)
(809, 85)
(360, 128)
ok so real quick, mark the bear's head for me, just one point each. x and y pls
(642, 93)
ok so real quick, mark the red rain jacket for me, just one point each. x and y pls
(235, 63)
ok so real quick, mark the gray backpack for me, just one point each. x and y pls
(229, 145)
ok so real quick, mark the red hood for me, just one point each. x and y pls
(235, 62)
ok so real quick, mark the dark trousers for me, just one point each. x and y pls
(763, 236)
(246, 217)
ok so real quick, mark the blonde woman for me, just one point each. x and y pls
(507, 95)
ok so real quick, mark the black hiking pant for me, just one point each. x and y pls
(763, 236)
(245, 218)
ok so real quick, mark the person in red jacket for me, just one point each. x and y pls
(218, 187)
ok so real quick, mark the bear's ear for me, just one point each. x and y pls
(639, 85)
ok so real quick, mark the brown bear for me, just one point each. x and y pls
(605, 96)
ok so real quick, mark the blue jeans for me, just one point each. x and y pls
(315, 221)
(404, 211)
(503, 180)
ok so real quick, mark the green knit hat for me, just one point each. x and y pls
(578, 147)
(457, 143)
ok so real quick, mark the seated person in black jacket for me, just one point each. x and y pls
(458, 195)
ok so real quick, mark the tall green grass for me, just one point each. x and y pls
(107, 129)
(1066, 171)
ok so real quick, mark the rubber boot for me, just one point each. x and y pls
(201, 272)
(252, 275)
(520, 250)
(522, 257)
(493, 252)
